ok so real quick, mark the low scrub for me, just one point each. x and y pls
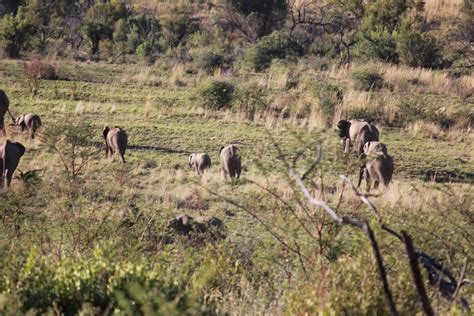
(216, 94)
(367, 79)
(278, 45)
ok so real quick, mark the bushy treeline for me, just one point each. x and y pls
(218, 33)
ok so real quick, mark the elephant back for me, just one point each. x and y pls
(4, 102)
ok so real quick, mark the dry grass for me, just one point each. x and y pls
(449, 9)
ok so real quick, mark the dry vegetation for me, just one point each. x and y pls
(82, 235)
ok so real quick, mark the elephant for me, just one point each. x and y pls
(357, 133)
(201, 162)
(230, 162)
(378, 165)
(4, 104)
(31, 121)
(10, 154)
(115, 142)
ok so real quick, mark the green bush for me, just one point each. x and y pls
(208, 59)
(177, 27)
(278, 45)
(215, 94)
(367, 79)
(15, 33)
(329, 96)
(417, 48)
(250, 98)
(378, 28)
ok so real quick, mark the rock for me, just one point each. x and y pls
(206, 226)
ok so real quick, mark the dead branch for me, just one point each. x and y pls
(417, 278)
(364, 227)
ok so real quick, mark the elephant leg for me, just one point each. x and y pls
(122, 157)
(347, 146)
(367, 179)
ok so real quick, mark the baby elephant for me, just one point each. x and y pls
(379, 165)
(115, 142)
(10, 154)
(201, 162)
(30, 121)
(230, 162)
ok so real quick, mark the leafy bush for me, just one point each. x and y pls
(177, 27)
(15, 33)
(367, 79)
(378, 28)
(216, 94)
(415, 47)
(329, 96)
(209, 59)
(99, 22)
(250, 98)
(278, 45)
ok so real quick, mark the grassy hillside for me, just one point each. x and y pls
(99, 242)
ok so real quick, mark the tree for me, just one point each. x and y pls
(378, 28)
(15, 33)
(99, 22)
(256, 18)
(415, 47)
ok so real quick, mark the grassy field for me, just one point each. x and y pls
(125, 208)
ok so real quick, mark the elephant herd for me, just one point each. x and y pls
(376, 164)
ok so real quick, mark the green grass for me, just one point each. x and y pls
(250, 270)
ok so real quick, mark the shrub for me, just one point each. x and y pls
(36, 71)
(177, 27)
(378, 28)
(249, 98)
(209, 59)
(278, 45)
(367, 79)
(15, 33)
(329, 95)
(415, 47)
(216, 94)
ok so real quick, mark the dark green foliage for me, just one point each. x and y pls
(177, 27)
(330, 96)
(278, 45)
(257, 18)
(264, 7)
(209, 59)
(415, 47)
(99, 22)
(367, 79)
(216, 94)
(15, 32)
(250, 98)
(378, 26)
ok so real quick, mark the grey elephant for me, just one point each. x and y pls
(378, 165)
(230, 162)
(10, 154)
(4, 104)
(115, 142)
(356, 133)
(30, 121)
(201, 162)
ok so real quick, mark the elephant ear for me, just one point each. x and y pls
(105, 132)
(21, 148)
(343, 127)
(20, 120)
(366, 147)
(233, 150)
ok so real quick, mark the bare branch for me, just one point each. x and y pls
(417, 279)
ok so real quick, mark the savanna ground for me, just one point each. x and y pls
(95, 241)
